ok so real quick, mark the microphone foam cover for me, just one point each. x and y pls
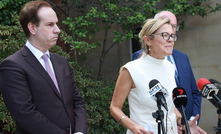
(202, 82)
(153, 83)
(179, 97)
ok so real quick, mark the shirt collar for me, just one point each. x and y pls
(37, 53)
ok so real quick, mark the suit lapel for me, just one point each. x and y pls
(178, 63)
(33, 61)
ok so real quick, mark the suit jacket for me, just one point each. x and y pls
(33, 100)
(137, 54)
(186, 81)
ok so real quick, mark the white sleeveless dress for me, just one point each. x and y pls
(141, 105)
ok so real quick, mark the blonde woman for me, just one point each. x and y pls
(157, 38)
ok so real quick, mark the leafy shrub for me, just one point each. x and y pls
(97, 96)
(7, 7)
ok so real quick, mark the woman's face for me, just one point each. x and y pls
(159, 47)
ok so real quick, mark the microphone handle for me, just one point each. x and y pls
(184, 119)
(161, 100)
(218, 101)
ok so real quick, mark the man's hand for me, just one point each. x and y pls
(194, 128)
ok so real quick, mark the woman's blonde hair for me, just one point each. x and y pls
(150, 26)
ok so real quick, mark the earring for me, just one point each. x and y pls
(149, 48)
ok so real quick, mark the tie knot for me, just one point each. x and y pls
(45, 57)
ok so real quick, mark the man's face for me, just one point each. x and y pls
(46, 34)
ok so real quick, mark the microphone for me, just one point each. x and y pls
(180, 100)
(213, 81)
(218, 85)
(179, 97)
(157, 90)
(209, 91)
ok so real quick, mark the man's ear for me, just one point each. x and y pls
(32, 28)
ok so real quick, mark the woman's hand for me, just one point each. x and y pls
(141, 130)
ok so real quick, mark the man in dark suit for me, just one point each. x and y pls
(39, 101)
(186, 78)
(187, 81)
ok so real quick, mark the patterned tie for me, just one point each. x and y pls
(176, 73)
(49, 70)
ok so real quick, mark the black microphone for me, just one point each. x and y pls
(157, 90)
(179, 97)
(213, 81)
(218, 85)
(209, 91)
(180, 100)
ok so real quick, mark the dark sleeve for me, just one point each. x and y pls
(196, 96)
(194, 91)
(18, 99)
(80, 113)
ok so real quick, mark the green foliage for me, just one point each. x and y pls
(103, 16)
(78, 47)
(6, 119)
(7, 7)
(11, 38)
(97, 96)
